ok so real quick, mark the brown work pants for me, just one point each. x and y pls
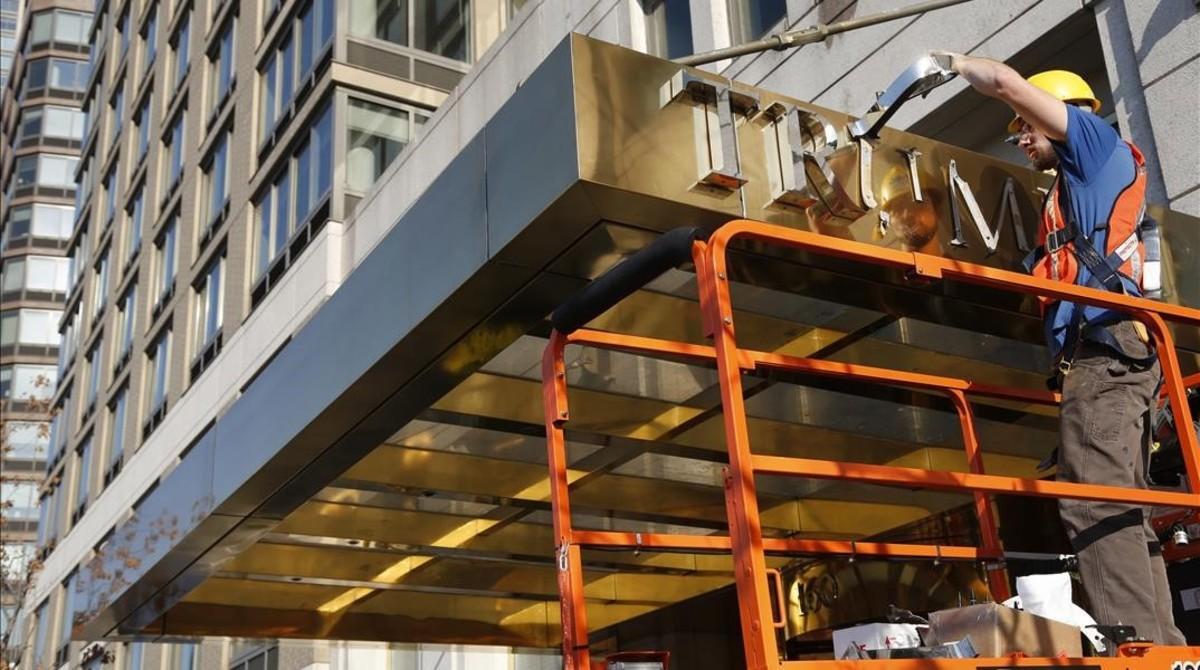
(1106, 411)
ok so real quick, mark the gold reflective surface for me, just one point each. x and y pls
(442, 532)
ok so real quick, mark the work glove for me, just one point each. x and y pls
(945, 59)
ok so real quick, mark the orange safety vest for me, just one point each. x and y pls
(1058, 255)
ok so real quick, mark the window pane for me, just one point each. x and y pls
(283, 212)
(35, 74)
(755, 18)
(181, 49)
(307, 39)
(116, 446)
(53, 221)
(263, 250)
(303, 179)
(287, 58)
(323, 140)
(267, 120)
(57, 171)
(377, 134)
(27, 440)
(440, 27)
(384, 20)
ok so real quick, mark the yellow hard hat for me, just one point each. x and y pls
(1066, 86)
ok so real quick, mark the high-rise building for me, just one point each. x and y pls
(10, 18)
(41, 129)
(314, 249)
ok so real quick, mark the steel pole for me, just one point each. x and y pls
(817, 33)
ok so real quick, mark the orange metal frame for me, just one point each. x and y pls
(752, 577)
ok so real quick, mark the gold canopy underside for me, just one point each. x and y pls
(443, 531)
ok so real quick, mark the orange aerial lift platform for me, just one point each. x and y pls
(759, 589)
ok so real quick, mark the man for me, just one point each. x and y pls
(1106, 367)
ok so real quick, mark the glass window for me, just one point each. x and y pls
(126, 315)
(71, 27)
(308, 20)
(269, 97)
(304, 194)
(323, 156)
(52, 122)
(46, 170)
(95, 373)
(668, 27)
(20, 500)
(83, 474)
(68, 75)
(209, 303)
(376, 135)
(179, 49)
(149, 41)
(110, 195)
(57, 171)
(28, 440)
(185, 657)
(60, 427)
(79, 259)
(295, 57)
(26, 382)
(216, 179)
(156, 371)
(40, 641)
(274, 221)
(57, 73)
(142, 120)
(164, 260)
(287, 85)
(751, 19)
(174, 150)
(297, 188)
(136, 651)
(440, 27)
(41, 28)
(36, 273)
(36, 73)
(386, 20)
(100, 284)
(437, 26)
(117, 113)
(125, 34)
(59, 27)
(67, 618)
(221, 65)
(133, 226)
(37, 327)
(116, 423)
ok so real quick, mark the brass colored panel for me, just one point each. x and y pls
(267, 595)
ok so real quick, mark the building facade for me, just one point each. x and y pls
(243, 161)
(10, 18)
(44, 61)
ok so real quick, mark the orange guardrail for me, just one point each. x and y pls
(760, 604)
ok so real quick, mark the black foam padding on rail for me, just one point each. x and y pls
(672, 248)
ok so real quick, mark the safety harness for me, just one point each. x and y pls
(1105, 273)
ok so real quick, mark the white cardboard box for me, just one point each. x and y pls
(875, 636)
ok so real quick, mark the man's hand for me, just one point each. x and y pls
(1044, 112)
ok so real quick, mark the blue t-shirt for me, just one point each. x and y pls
(1096, 166)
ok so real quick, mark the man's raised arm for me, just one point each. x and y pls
(1036, 107)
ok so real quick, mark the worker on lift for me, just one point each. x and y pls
(1104, 361)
